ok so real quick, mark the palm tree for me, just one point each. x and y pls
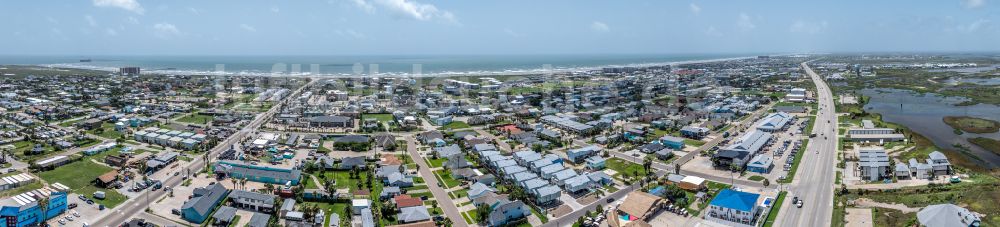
(43, 203)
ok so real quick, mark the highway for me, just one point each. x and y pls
(814, 180)
(125, 211)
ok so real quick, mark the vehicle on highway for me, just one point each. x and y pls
(610, 200)
(799, 204)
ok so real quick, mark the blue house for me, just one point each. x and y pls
(595, 162)
(202, 202)
(760, 164)
(261, 174)
(23, 210)
(676, 143)
(694, 132)
(577, 155)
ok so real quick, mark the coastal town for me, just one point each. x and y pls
(755, 141)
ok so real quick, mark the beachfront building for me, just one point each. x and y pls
(873, 164)
(734, 208)
(947, 215)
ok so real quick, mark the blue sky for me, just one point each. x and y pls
(389, 27)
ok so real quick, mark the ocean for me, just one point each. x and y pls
(403, 65)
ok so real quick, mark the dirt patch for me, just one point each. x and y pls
(561, 211)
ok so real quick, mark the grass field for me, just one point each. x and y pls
(972, 124)
(977, 193)
(343, 179)
(107, 131)
(624, 167)
(455, 125)
(379, 117)
(756, 178)
(438, 162)
(78, 177)
(446, 178)
(696, 143)
(196, 118)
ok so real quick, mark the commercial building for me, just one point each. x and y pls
(23, 209)
(869, 133)
(774, 122)
(203, 200)
(261, 174)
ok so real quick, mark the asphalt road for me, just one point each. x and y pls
(130, 208)
(444, 201)
(814, 180)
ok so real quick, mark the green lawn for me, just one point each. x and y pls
(696, 143)
(78, 177)
(795, 164)
(438, 162)
(196, 118)
(459, 193)
(107, 131)
(343, 179)
(455, 125)
(756, 178)
(446, 179)
(385, 118)
(623, 167)
(469, 216)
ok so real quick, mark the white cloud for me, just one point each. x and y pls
(512, 33)
(973, 4)
(52, 20)
(975, 26)
(193, 10)
(133, 20)
(409, 9)
(745, 23)
(695, 8)
(165, 30)
(350, 33)
(807, 27)
(90, 20)
(598, 26)
(248, 28)
(275, 9)
(111, 32)
(711, 31)
(130, 5)
(364, 5)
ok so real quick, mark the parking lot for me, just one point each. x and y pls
(782, 147)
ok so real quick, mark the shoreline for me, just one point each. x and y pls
(509, 72)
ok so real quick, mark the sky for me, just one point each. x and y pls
(511, 27)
